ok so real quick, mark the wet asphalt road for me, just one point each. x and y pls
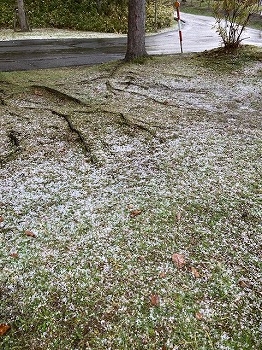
(198, 35)
(52, 53)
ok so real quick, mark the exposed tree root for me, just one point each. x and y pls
(104, 76)
(132, 124)
(112, 88)
(184, 90)
(116, 67)
(156, 126)
(124, 120)
(13, 136)
(80, 136)
(58, 93)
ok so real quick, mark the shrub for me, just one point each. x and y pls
(103, 15)
(232, 17)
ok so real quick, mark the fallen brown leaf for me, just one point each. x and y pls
(178, 217)
(244, 284)
(199, 316)
(144, 340)
(14, 255)
(195, 272)
(1, 219)
(154, 300)
(141, 258)
(162, 274)
(4, 328)
(178, 260)
(135, 212)
(30, 233)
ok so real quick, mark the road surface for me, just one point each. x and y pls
(27, 54)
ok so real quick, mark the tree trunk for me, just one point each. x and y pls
(136, 30)
(23, 23)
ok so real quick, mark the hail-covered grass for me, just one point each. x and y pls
(52, 33)
(102, 184)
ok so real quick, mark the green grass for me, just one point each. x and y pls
(89, 292)
(225, 60)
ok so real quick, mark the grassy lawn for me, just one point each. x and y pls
(131, 205)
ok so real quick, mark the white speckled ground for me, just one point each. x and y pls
(172, 138)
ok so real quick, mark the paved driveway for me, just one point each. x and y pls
(197, 32)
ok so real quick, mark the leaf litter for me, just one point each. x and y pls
(171, 137)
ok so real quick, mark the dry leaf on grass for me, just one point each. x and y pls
(135, 212)
(30, 233)
(141, 258)
(244, 284)
(154, 300)
(1, 219)
(4, 328)
(178, 260)
(199, 316)
(178, 217)
(14, 255)
(195, 272)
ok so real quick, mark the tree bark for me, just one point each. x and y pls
(23, 23)
(136, 30)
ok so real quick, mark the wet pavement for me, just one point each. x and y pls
(52, 53)
(198, 35)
